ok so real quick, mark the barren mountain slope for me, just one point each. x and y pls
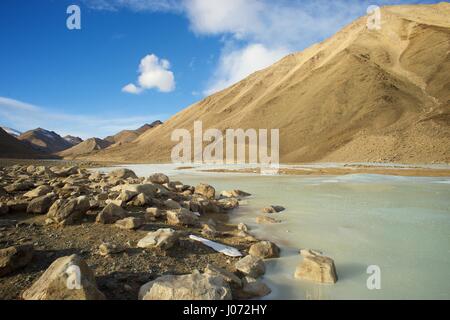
(88, 146)
(362, 95)
(11, 147)
(126, 136)
(45, 141)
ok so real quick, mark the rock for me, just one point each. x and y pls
(159, 178)
(67, 278)
(141, 200)
(17, 205)
(110, 214)
(107, 248)
(266, 220)
(129, 223)
(19, 186)
(13, 258)
(251, 266)
(234, 194)
(242, 227)
(149, 190)
(40, 205)
(127, 195)
(162, 239)
(194, 286)
(38, 192)
(153, 213)
(254, 288)
(317, 268)
(229, 277)
(209, 230)
(64, 172)
(4, 209)
(273, 209)
(264, 250)
(228, 204)
(119, 203)
(309, 252)
(171, 204)
(30, 169)
(122, 173)
(181, 217)
(206, 190)
(66, 212)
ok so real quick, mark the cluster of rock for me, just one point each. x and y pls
(68, 196)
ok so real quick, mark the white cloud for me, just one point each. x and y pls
(272, 26)
(154, 73)
(24, 116)
(131, 88)
(238, 64)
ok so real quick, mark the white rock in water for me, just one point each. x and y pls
(251, 266)
(194, 286)
(317, 268)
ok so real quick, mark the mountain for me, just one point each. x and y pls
(13, 132)
(73, 140)
(45, 141)
(11, 147)
(88, 146)
(360, 96)
(127, 136)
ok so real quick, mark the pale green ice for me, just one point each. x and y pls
(401, 224)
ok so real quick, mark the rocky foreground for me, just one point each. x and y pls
(67, 233)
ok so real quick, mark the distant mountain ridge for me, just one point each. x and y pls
(11, 147)
(45, 141)
(73, 140)
(126, 136)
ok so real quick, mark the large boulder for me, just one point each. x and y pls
(317, 268)
(205, 190)
(251, 266)
(126, 195)
(194, 286)
(162, 239)
(159, 178)
(14, 258)
(122, 173)
(18, 205)
(264, 250)
(182, 217)
(40, 205)
(141, 200)
(67, 278)
(229, 277)
(67, 212)
(19, 186)
(228, 203)
(148, 189)
(38, 192)
(110, 214)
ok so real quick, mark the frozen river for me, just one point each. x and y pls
(400, 224)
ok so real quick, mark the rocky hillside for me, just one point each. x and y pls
(361, 95)
(73, 140)
(45, 141)
(127, 136)
(11, 147)
(88, 146)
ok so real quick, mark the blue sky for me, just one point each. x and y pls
(135, 61)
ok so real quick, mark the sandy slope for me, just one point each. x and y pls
(361, 95)
(88, 146)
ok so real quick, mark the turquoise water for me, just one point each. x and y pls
(401, 224)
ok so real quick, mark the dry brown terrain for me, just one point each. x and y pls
(362, 95)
